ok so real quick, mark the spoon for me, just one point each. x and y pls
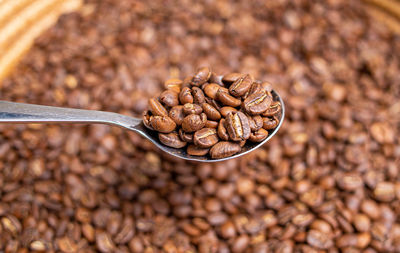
(11, 112)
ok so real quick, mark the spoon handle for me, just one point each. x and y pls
(11, 112)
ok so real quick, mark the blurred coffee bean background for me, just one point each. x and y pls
(328, 182)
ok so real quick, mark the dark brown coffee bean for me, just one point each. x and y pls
(198, 95)
(257, 103)
(176, 114)
(273, 109)
(256, 122)
(201, 76)
(192, 109)
(197, 151)
(319, 240)
(214, 78)
(146, 119)
(254, 88)
(162, 124)
(258, 136)
(169, 98)
(241, 86)
(227, 99)
(185, 96)
(194, 122)
(228, 79)
(171, 140)
(211, 112)
(226, 110)
(224, 149)
(187, 137)
(156, 108)
(173, 84)
(211, 90)
(205, 138)
(211, 124)
(237, 125)
(213, 103)
(270, 123)
(221, 130)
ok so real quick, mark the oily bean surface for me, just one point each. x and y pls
(237, 125)
(171, 140)
(257, 103)
(224, 149)
(205, 138)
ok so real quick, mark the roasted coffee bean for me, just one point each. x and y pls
(162, 124)
(230, 78)
(192, 109)
(257, 103)
(259, 135)
(171, 140)
(211, 112)
(211, 124)
(156, 108)
(194, 122)
(197, 151)
(221, 130)
(242, 143)
(273, 109)
(187, 137)
(169, 98)
(211, 90)
(213, 103)
(176, 114)
(237, 125)
(205, 138)
(173, 84)
(198, 95)
(201, 76)
(226, 110)
(266, 86)
(254, 88)
(226, 99)
(214, 78)
(270, 122)
(185, 96)
(187, 82)
(241, 86)
(224, 149)
(255, 122)
(146, 119)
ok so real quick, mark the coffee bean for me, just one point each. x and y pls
(187, 137)
(221, 130)
(226, 110)
(169, 98)
(162, 124)
(177, 114)
(171, 140)
(257, 103)
(228, 230)
(241, 86)
(202, 76)
(173, 84)
(231, 78)
(255, 122)
(211, 112)
(194, 122)
(198, 95)
(205, 138)
(211, 124)
(197, 151)
(237, 125)
(185, 96)
(156, 108)
(226, 99)
(319, 240)
(224, 149)
(273, 109)
(192, 109)
(259, 135)
(211, 90)
(270, 123)
(146, 119)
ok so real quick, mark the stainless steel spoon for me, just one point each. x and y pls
(11, 112)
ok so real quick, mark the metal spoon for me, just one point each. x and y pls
(11, 112)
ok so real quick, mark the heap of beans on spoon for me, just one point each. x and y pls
(211, 114)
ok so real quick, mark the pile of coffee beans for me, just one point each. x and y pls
(328, 181)
(215, 114)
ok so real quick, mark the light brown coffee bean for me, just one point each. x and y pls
(221, 130)
(224, 149)
(226, 99)
(173, 84)
(177, 115)
(197, 151)
(266, 86)
(259, 135)
(211, 90)
(185, 96)
(270, 123)
(169, 98)
(162, 124)
(187, 137)
(237, 125)
(211, 112)
(192, 109)
(202, 76)
(254, 88)
(228, 79)
(198, 95)
(319, 240)
(241, 86)
(273, 109)
(257, 103)
(205, 138)
(194, 122)
(171, 140)
(226, 110)
(255, 122)
(211, 124)
(156, 108)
